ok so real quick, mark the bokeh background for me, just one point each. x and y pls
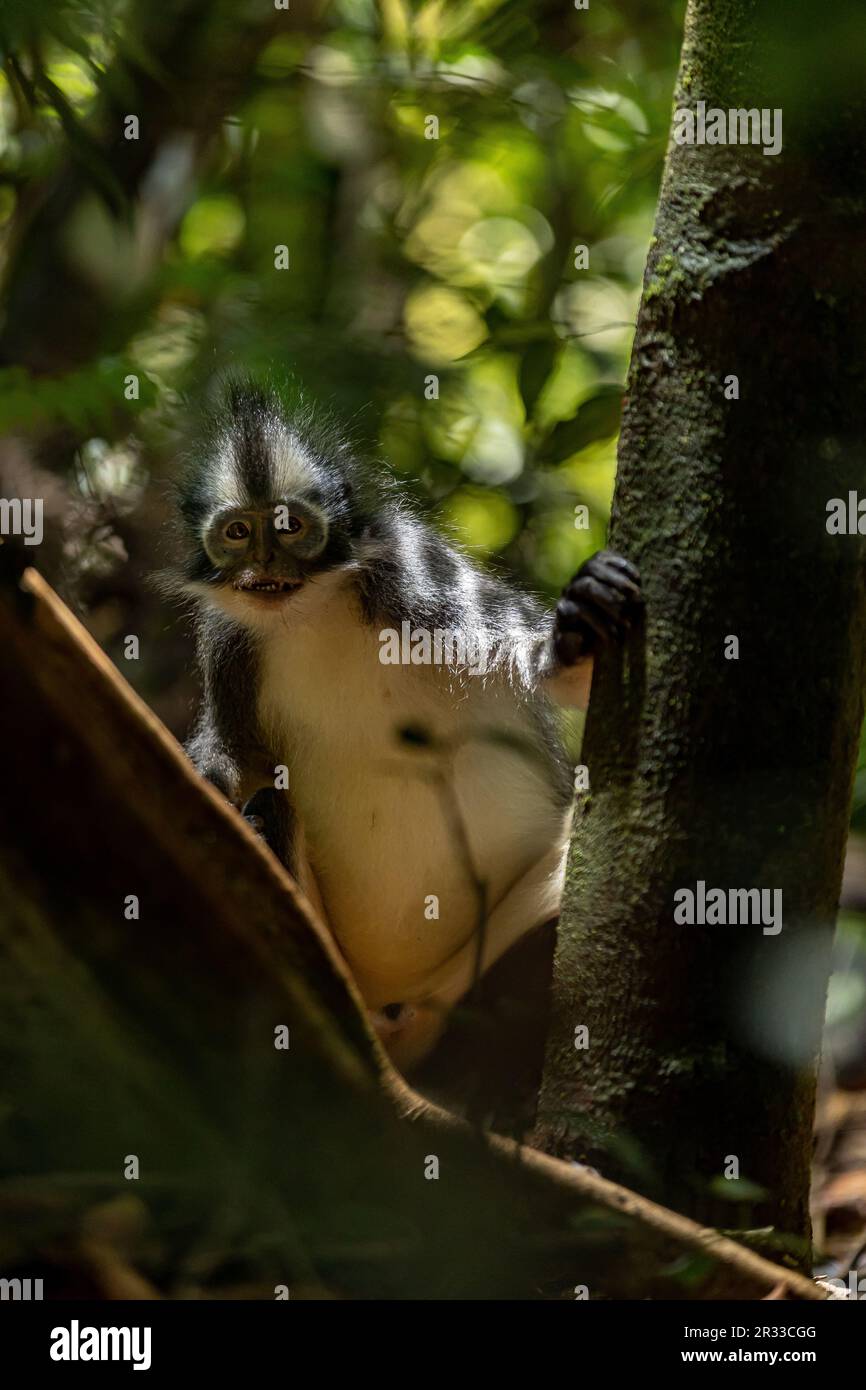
(409, 257)
(154, 260)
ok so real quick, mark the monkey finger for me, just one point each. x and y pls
(619, 562)
(603, 567)
(594, 594)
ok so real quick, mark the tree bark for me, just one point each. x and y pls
(734, 772)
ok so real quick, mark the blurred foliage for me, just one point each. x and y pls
(410, 257)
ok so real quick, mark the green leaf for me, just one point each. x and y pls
(535, 368)
(597, 418)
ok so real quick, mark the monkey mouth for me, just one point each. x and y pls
(266, 588)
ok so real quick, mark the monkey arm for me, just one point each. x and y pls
(225, 746)
(210, 757)
(409, 573)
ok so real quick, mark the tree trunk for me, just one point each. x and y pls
(702, 1039)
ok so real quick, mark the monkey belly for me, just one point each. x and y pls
(410, 870)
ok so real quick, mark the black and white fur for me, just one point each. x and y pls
(374, 825)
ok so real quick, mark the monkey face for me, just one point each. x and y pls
(266, 555)
(271, 508)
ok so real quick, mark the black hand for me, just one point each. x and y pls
(598, 606)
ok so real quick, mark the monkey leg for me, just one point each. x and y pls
(412, 1027)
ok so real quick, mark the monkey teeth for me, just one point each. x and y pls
(266, 586)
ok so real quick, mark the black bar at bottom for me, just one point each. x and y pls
(220, 1339)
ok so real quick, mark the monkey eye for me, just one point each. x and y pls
(236, 531)
(290, 525)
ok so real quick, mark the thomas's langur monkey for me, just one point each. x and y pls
(409, 693)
